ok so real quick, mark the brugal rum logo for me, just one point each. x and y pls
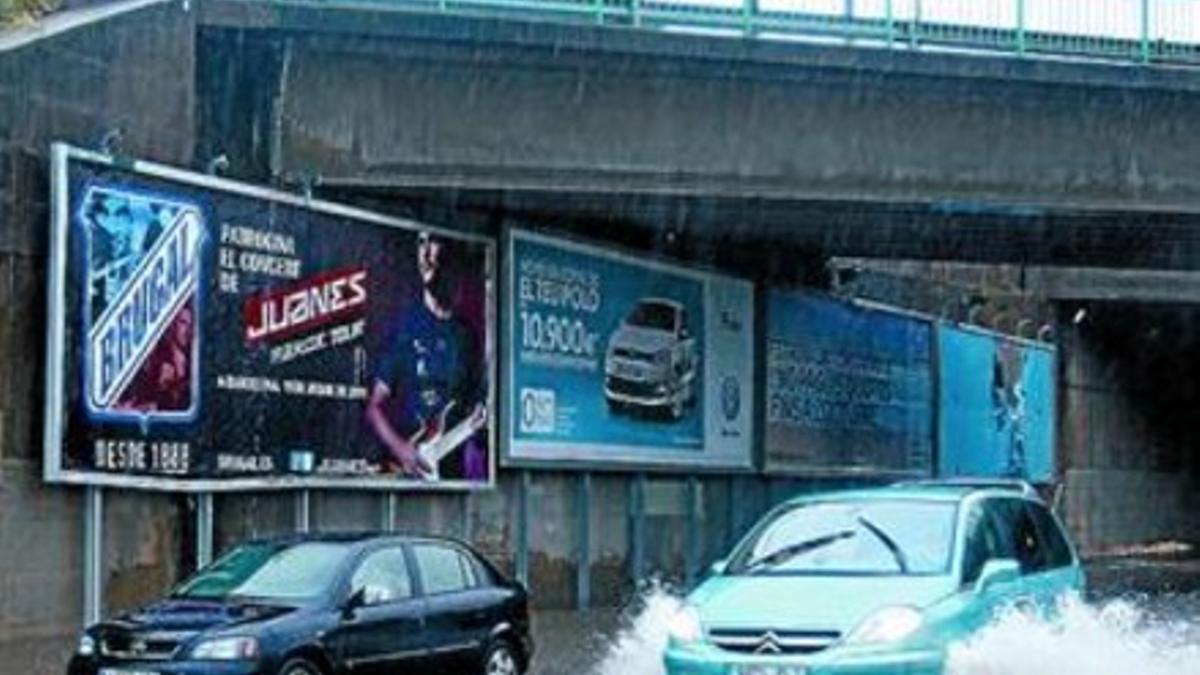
(142, 302)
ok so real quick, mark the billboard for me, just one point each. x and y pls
(997, 406)
(849, 388)
(620, 361)
(209, 335)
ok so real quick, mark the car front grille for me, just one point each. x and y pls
(132, 647)
(620, 385)
(767, 642)
(633, 354)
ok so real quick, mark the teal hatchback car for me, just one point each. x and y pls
(873, 581)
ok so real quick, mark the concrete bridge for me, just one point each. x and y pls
(875, 152)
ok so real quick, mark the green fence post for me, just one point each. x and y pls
(914, 24)
(1145, 48)
(635, 14)
(890, 22)
(1021, 27)
(749, 12)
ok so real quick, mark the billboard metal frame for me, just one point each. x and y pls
(61, 157)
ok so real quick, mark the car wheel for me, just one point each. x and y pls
(299, 666)
(501, 660)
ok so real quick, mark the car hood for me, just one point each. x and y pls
(190, 616)
(810, 602)
(647, 340)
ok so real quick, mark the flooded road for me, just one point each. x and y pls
(1142, 616)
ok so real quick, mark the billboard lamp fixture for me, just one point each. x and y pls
(110, 142)
(217, 165)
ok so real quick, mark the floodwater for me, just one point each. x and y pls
(1140, 617)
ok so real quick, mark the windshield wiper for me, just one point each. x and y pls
(897, 553)
(788, 552)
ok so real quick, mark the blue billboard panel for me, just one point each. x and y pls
(997, 398)
(619, 360)
(849, 388)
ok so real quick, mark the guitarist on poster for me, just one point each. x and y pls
(434, 376)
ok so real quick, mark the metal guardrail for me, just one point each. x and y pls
(1134, 31)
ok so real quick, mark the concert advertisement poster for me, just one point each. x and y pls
(206, 334)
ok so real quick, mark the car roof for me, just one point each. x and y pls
(352, 538)
(926, 490)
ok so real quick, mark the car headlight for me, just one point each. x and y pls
(887, 625)
(684, 626)
(87, 646)
(226, 649)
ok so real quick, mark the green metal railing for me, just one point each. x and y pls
(1137, 31)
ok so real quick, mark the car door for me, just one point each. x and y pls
(988, 538)
(385, 633)
(461, 609)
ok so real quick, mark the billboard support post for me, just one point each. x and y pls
(204, 529)
(389, 512)
(302, 511)
(522, 553)
(691, 555)
(93, 554)
(583, 570)
(637, 527)
(735, 514)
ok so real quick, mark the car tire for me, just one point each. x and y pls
(501, 659)
(299, 666)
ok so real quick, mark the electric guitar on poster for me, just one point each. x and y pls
(434, 442)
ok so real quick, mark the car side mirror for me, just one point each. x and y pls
(997, 571)
(357, 600)
(719, 567)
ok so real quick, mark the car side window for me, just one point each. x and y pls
(1021, 531)
(1057, 551)
(986, 540)
(443, 569)
(383, 577)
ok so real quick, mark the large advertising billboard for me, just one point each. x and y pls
(849, 388)
(997, 406)
(620, 361)
(208, 335)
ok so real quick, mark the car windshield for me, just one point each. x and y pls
(654, 315)
(906, 537)
(268, 571)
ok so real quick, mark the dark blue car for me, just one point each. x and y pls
(324, 605)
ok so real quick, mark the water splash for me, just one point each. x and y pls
(638, 647)
(1143, 635)
(1117, 637)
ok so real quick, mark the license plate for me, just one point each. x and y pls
(125, 671)
(770, 670)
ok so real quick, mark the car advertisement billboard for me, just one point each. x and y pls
(617, 360)
(206, 334)
(997, 406)
(849, 388)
